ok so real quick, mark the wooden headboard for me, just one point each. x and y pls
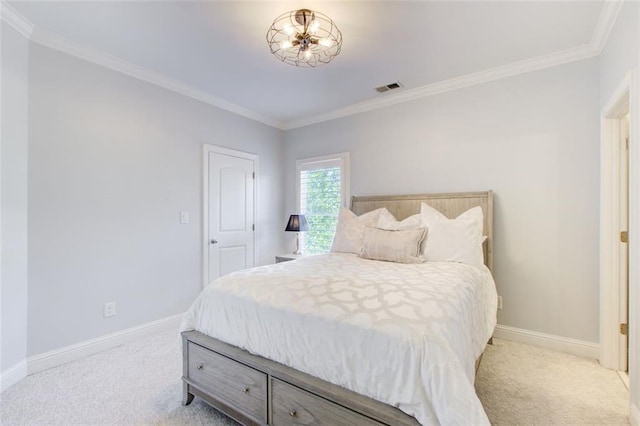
(450, 205)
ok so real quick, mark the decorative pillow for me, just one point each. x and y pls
(349, 234)
(393, 246)
(454, 240)
(388, 221)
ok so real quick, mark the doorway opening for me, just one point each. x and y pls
(614, 230)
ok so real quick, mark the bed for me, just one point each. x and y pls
(304, 342)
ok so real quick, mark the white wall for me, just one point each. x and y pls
(621, 55)
(112, 163)
(534, 140)
(13, 153)
(113, 160)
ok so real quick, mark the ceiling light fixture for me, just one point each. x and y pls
(304, 38)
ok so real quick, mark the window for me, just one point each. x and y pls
(322, 184)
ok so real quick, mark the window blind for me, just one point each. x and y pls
(320, 201)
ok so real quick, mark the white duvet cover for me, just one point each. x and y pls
(404, 334)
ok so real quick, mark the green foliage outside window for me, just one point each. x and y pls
(320, 203)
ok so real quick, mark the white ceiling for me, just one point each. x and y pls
(218, 50)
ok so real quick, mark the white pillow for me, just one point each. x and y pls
(393, 246)
(349, 234)
(388, 222)
(453, 240)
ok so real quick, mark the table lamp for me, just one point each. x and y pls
(297, 223)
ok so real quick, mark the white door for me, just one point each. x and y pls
(231, 210)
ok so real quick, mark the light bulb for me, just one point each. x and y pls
(285, 44)
(307, 54)
(314, 26)
(325, 42)
(288, 29)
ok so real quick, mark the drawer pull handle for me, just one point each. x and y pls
(199, 367)
(292, 413)
(245, 390)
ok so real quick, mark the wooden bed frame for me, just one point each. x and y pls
(256, 391)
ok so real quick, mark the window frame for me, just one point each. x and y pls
(321, 162)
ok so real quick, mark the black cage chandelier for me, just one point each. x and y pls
(304, 38)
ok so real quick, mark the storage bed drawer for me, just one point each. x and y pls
(294, 406)
(232, 383)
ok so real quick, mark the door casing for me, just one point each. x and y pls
(612, 344)
(206, 150)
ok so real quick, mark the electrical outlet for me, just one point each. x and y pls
(499, 302)
(109, 309)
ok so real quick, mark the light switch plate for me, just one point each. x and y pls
(184, 217)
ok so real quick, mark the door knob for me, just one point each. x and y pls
(214, 241)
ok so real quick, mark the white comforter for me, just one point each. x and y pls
(406, 335)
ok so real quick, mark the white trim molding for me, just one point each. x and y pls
(13, 375)
(99, 57)
(612, 297)
(15, 19)
(81, 350)
(54, 41)
(548, 341)
(468, 80)
(605, 23)
(341, 159)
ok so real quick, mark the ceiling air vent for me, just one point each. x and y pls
(388, 87)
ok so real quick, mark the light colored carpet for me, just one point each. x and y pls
(139, 383)
(527, 385)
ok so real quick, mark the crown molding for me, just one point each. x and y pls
(99, 57)
(605, 24)
(18, 22)
(96, 56)
(54, 41)
(606, 21)
(492, 74)
(12, 17)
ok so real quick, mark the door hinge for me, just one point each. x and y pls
(253, 227)
(624, 236)
(253, 175)
(626, 143)
(624, 329)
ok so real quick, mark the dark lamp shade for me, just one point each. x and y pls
(297, 223)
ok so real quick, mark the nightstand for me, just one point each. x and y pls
(287, 257)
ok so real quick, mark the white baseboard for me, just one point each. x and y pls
(80, 350)
(634, 415)
(89, 347)
(13, 375)
(549, 341)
